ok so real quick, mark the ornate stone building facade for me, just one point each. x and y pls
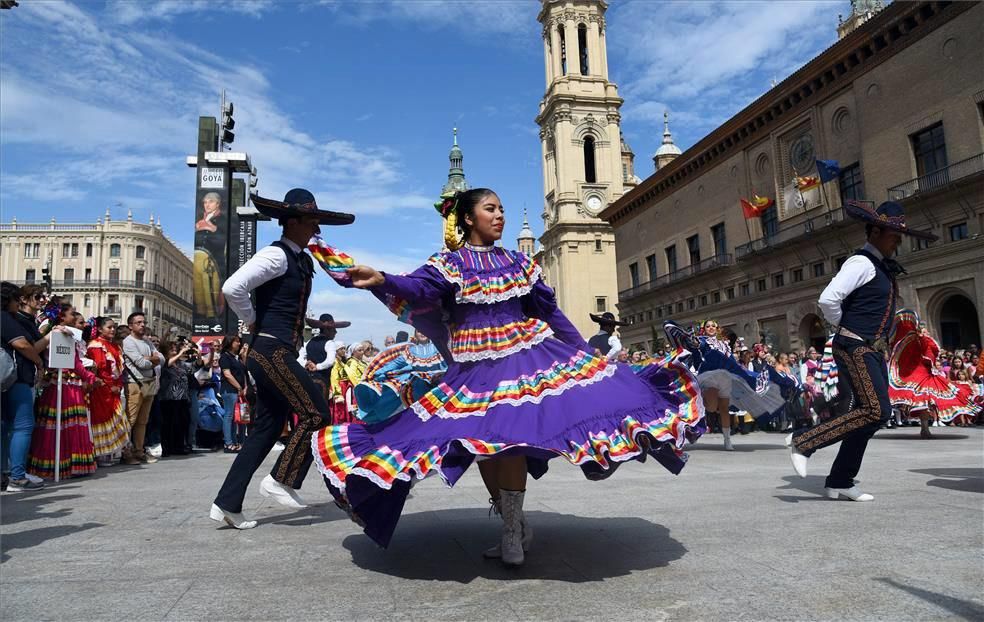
(898, 101)
(109, 268)
(586, 164)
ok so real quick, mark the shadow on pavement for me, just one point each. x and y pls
(26, 506)
(311, 515)
(704, 445)
(812, 484)
(962, 608)
(34, 537)
(961, 479)
(447, 545)
(914, 436)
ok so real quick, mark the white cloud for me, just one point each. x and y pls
(83, 95)
(483, 17)
(705, 61)
(129, 12)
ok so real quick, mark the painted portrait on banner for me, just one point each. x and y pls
(211, 250)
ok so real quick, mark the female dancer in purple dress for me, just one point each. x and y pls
(522, 387)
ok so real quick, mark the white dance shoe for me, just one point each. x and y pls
(234, 519)
(798, 460)
(284, 495)
(853, 493)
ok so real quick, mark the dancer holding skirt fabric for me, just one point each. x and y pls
(522, 387)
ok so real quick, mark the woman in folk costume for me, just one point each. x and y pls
(724, 381)
(340, 389)
(356, 364)
(522, 387)
(110, 428)
(76, 456)
(916, 381)
(397, 377)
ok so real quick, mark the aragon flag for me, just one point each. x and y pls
(807, 183)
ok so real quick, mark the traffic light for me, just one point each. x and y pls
(227, 124)
(252, 180)
(46, 278)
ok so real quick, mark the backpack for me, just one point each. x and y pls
(8, 369)
(209, 415)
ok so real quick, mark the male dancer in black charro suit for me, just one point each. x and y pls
(279, 278)
(860, 304)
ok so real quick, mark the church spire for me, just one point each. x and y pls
(456, 172)
(526, 239)
(668, 151)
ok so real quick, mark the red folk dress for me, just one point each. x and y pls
(110, 427)
(914, 378)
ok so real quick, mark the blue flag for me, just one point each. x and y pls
(828, 169)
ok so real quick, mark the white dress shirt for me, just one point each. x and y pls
(330, 349)
(856, 272)
(614, 344)
(268, 264)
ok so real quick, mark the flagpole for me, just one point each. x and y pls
(796, 177)
(823, 193)
(748, 229)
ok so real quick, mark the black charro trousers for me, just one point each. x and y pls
(863, 406)
(283, 388)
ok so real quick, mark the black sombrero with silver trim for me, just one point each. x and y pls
(300, 202)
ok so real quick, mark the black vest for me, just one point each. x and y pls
(282, 302)
(868, 311)
(600, 342)
(316, 349)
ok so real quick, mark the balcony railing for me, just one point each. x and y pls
(112, 311)
(118, 284)
(938, 179)
(717, 261)
(791, 233)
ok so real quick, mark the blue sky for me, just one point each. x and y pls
(355, 100)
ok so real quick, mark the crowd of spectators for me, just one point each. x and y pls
(133, 397)
(815, 401)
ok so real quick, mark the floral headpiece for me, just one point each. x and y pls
(702, 326)
(448, 204)
(51, 311)
(454, 238)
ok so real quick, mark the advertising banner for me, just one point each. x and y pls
(242, 243)
(211, 261)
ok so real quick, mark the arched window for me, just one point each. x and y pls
(563, 50)
(114, 250)
(589, 160)
(141, 251)
(582, 48)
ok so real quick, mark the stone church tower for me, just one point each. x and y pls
(526, 241)
(582, 150)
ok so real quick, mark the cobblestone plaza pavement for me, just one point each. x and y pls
(736, 537)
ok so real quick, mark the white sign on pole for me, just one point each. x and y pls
(61, 351)
(213, 177)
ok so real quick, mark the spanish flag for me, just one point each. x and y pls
(807, 183)
(756, 207)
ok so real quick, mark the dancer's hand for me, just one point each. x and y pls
(365, 277)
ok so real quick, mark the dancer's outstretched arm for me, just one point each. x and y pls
(423, 285)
